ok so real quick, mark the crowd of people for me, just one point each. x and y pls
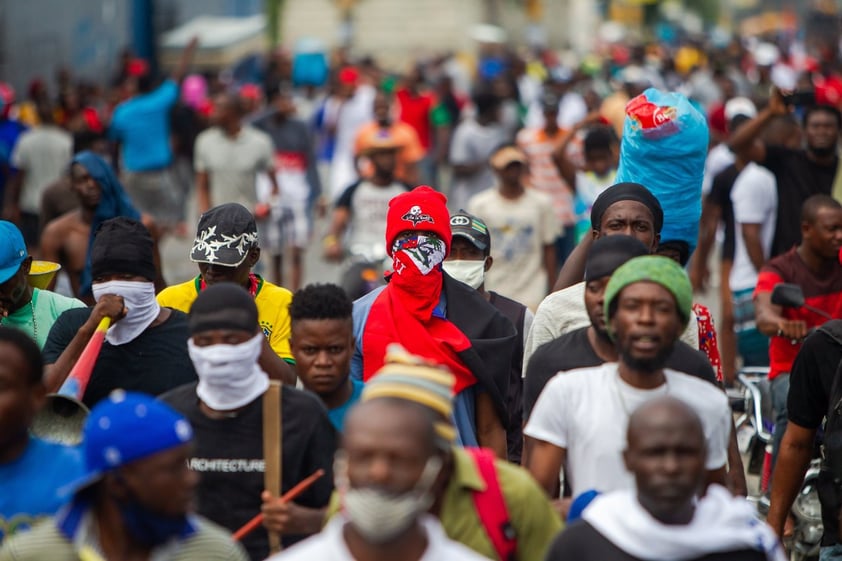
(532, 378)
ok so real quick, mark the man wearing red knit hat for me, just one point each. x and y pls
(436, 317)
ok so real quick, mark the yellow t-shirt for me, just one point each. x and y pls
(272, 310)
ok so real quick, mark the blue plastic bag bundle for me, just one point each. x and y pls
(664, 146)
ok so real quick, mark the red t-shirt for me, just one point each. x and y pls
(415, 110)
(822, 293)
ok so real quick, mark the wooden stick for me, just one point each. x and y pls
(255, 522)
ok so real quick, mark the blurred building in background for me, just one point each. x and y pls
(38, 37)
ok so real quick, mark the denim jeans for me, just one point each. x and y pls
(780, 390)
(752, 345)
(831, 553)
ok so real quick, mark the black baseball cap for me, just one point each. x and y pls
(225, 235)
(472, 228)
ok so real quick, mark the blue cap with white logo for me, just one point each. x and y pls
(125, 427)
(12, 250)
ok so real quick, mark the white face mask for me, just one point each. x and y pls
(229, 376)
(380, 516)
(471, 273)
(139, 300)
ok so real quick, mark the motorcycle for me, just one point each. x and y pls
(754, 435)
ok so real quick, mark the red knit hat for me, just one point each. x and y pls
(423, 209)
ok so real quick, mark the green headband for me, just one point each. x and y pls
(652, 268)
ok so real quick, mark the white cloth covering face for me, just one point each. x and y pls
(467, 271)
(721, 523)
(139, 300)
(229, 376)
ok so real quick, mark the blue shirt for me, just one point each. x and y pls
(464, 403)
(29, 485)
(10, 131)
(142, 126)
(337, 414)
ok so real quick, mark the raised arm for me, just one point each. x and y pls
(573, 270)
(742, 138)
(184, 61)
(109, 305)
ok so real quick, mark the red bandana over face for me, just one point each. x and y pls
(416, 273)
(403, 312)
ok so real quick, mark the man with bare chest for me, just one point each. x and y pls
(67, 239)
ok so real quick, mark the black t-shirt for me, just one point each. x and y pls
(573, 350)
(720, 195)
(798, 178)
(582, 542)
(228, 454)
(810, 385)
(154, 362)
(516, 313)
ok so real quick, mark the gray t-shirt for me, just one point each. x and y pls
(295, 161)
(43, 153)
(233, 163)
(473, 143)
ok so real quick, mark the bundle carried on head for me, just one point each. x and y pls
(664, 146)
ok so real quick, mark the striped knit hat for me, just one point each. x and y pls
(411, 378)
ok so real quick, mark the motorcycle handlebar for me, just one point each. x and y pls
(749, 378)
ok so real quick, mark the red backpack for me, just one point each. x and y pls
(491, 506)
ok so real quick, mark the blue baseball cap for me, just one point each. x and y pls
(12, 250)
(124, 427)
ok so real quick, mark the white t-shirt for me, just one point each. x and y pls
(754, 197)
(232, 164)
(571, 110)
(369, 207)
(586, 412)
(329, 545)
(564, 311)
(43, 154)
(351, 115)
(519, 229)
(589, 185)
(719, 158)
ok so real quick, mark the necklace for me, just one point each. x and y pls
(34, 321)
(619, 391)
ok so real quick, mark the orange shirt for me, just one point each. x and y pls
(410, 152)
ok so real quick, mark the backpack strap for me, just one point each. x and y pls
(832, 328)
(491, 506)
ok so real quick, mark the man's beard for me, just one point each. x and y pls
(823, 151)
(602, 333)
(652, 364)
